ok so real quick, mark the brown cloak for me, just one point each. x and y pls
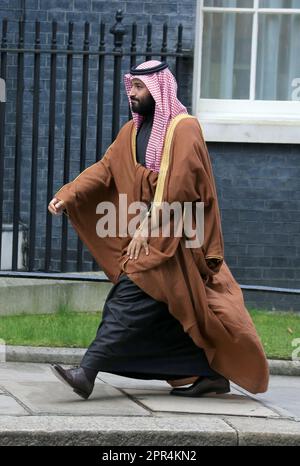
(202, 295)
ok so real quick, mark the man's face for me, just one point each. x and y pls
(142, 101)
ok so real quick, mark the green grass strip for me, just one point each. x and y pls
(277, 330)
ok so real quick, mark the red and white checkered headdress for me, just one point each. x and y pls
(163, 88)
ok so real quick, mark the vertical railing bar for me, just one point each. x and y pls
(132, 55)
(18, 146)
(67, 145)
(35, 142)
(178, 60)
(100, 102)
(149, 42)
(51, 141)
(164, 42)
(3, 56)
(84, 111)
(133, 45)
(100, 93)
(118, 31)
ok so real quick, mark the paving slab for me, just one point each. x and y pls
(19, 371)
(284, 394)
(227, 404)
(279, 432)
(9, 405)
(56, 398)
(35, 386)
(115, 431)
(154, 394)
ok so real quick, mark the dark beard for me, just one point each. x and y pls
(144, 107)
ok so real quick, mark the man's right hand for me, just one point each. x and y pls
(56, 206)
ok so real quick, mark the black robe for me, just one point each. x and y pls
(138, 337)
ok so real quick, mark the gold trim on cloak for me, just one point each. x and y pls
(165, 160)
(164, 166)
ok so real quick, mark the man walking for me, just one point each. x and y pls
(174, 313)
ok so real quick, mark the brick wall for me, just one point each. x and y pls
(259, 196)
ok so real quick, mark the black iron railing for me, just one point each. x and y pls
(38, 50)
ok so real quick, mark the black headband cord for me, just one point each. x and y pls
(135, 71)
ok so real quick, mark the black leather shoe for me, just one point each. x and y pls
(74, 378)
(203, 386)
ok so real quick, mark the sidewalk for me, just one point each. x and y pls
(36, 409)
